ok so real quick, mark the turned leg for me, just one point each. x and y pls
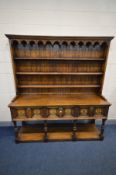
(15, 130)
(45, 131)
(15, 127)
(102, 129)
(74, 130)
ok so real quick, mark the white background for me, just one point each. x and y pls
(55, 17)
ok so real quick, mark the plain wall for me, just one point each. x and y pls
(55, 17)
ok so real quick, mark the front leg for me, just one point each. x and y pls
(102, 129)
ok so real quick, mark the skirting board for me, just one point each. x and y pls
(9, 123)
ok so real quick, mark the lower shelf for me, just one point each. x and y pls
(58, 132)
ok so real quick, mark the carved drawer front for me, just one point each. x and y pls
(91, 111)
(21, 113)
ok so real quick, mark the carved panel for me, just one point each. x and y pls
(36, 112)
(98, 111)
(83, 111)
(52, 112)
(101, 111)
(21, 113)
(68, 112)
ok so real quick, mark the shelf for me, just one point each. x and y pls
(59, 73)
(58, 86)
(29, 58)
(34, 100)
(57, 132)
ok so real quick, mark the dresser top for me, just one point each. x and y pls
(10, 36)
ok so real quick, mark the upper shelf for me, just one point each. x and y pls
(59, 73)
(30, 58)
(60, 86)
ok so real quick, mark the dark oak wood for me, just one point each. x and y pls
(59, 78)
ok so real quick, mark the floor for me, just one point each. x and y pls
(58, 158)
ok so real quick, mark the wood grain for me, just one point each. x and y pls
(56, 100)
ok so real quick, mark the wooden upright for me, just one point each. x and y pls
(59, 79)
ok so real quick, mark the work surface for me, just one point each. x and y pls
(58, 99)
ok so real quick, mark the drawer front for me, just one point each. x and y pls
(40, 113)
(93, 111)
(59, 112)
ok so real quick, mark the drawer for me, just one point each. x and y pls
(40, 112)
(93, 111)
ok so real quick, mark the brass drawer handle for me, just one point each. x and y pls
(60, 112)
